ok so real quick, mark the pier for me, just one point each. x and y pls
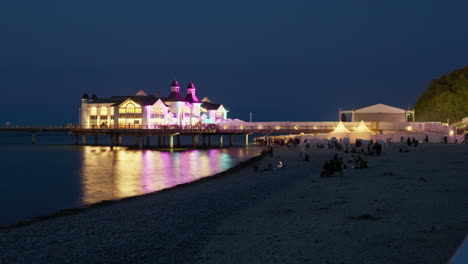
(170, 136)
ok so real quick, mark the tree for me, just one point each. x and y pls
(445, 99)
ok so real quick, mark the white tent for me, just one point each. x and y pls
(340, 131)
(361, 132)
(363, 129)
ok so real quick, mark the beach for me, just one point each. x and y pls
(407, 207)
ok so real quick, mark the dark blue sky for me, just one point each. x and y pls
(282, 60)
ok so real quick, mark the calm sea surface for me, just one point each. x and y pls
(44, 178)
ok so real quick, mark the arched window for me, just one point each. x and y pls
(103, 111)
(93, 111)
(103, 115)
(187, 111)
(130, 108)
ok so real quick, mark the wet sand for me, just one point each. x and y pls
(405, 208)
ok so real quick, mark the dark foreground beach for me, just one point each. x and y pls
(405, 208)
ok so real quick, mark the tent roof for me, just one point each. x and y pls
(362, 129)
(340, 129)
(380, 108)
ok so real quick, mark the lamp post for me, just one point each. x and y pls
(250, 116)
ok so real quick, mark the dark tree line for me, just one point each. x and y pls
(445, 99)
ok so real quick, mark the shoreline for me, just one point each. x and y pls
(406, 207)
(78, 210)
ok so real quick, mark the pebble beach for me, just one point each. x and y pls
(408, 207)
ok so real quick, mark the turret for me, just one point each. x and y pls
(191, 95)
(175, 92)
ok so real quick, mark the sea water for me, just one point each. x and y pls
(49, 176)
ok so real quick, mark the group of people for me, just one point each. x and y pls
(331, 166)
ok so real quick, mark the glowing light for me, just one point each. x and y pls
(278, 127)
(242, 127)
(409, 128)
(451, 132)
(260, 127)
(315, 127)
(296, 127)
(225, 127)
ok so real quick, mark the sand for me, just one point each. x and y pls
(405, 208)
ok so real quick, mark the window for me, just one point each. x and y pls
(103, 111)
(93, 111)
(157, 116)
(130, 108)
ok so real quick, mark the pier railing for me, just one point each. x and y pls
(239, 128)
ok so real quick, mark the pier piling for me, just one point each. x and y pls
(83, 139)
(220, 140)
(171, 141)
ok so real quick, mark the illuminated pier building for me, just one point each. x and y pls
(142, 110)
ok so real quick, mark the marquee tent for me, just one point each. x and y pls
(340, 131)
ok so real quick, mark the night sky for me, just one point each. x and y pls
(281, 60)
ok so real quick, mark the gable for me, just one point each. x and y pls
(380, 108)
(128, 101)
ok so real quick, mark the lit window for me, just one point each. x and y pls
(103, 111)
(130, 108)
(93, 111)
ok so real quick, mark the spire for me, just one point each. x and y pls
(191, 86)
(191, 95)
(85, 96)
(175, 83)
(94, 96)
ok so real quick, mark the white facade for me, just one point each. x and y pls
(144, 110)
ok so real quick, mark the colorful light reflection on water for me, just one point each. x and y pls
(108, 175)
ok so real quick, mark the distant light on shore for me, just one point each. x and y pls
(409, 128)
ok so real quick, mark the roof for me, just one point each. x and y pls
(175, 83)
(206, 100)
(380, 108)
(117, 100)
(340, 129)
(191, 98)
(174, 96)
(141, 92)
(191, 86)
(210, 106)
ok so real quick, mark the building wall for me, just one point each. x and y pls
(381, 117)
